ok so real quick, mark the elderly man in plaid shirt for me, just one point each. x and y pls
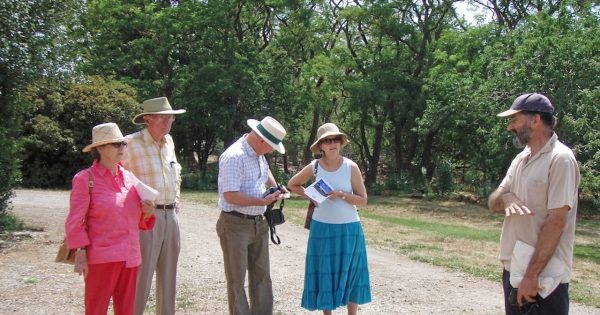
(151, 157)
(242, 228)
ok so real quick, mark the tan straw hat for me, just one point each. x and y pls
(270, 130)
(327, 130)
(104, 134)
(156, 106)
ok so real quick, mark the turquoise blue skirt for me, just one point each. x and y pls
(336, 270)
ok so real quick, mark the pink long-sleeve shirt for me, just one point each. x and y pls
(110, 231)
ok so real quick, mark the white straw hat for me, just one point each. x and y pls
(104, 134)
(270, 130)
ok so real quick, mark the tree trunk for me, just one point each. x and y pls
(308, 155)
(371, 174)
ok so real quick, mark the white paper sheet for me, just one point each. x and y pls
(318, 191)
(146, 192)
(549, 278)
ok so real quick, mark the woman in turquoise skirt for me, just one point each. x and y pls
(336, 271)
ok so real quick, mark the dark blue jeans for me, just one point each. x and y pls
(557, 303)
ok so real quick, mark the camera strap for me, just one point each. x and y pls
(270, 212)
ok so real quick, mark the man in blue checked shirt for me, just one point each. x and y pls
(244, 176)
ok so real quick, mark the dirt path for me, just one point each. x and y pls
(33, 284)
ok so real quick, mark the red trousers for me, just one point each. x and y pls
(110, 280)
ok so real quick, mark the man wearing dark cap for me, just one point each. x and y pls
(538, 197)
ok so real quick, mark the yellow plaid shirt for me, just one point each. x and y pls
(155, 164)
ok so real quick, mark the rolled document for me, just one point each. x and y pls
(146, 192)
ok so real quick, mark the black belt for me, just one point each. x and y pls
(170, 206)
(257, 217)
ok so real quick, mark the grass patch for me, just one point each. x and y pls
(183, 303)
(591, 252)
(438, 228)
(30, 280)
(490, 272)
(587, 228)
(409, 248)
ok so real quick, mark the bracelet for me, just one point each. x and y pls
(343, 195)
(80, 249)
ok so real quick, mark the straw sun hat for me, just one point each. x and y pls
(328, 130)
(159, 105)
(270, 130)
(104, 134)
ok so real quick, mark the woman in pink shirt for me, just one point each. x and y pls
(105, 216)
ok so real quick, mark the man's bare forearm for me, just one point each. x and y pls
(547, 241)
(495, 202)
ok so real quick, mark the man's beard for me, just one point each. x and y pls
(522, 137)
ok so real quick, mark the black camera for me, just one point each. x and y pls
(271, 190)
(526, 307)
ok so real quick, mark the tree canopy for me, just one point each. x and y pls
(414, 86)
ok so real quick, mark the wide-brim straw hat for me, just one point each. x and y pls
(328, 130)
(270, 130)
(156, 106)
(104, 134)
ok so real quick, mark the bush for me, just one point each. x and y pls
(281, 177)
(589, 206)
(10, 113)
(401, 182)
(444, 178)
(8, 222)
(397, 181)
(198, 181)
(59, 124)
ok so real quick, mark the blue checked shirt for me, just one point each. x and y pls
(240, 169)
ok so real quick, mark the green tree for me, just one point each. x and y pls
(60, 123)
(33, 44)
(555, 55)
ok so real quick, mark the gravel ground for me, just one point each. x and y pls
(33, 284)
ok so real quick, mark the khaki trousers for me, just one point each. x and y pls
(160, 251)
(245, 245)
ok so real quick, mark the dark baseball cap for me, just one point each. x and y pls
(532, 102)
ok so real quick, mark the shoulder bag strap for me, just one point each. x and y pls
(90, 189)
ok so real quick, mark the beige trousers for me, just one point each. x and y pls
(245, 245)
(160, 252)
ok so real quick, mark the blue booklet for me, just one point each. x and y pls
(318, 191)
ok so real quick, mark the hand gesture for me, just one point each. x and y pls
(514, 206)
(285, 193)
(148, 209)
(81, 265)
(271, 198)
(528, 290)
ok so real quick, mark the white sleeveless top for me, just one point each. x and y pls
(336, 211)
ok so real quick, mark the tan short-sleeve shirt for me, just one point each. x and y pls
(548, 180)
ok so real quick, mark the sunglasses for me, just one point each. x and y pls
(119, 144)
(330, 140)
